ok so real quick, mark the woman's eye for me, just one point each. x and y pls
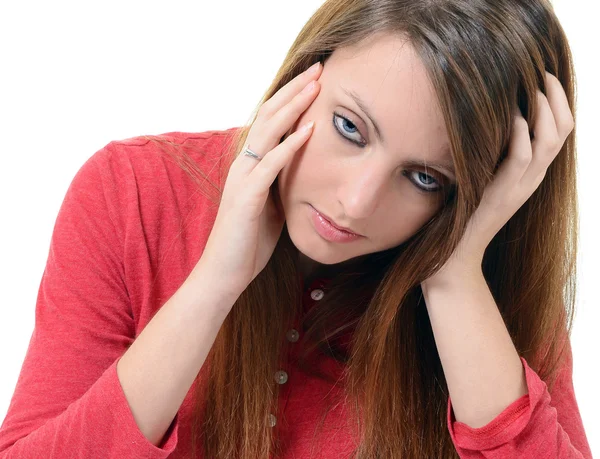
(348, 129)
(423, 181)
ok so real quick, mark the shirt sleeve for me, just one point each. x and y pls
(539, 424)
(68, 401)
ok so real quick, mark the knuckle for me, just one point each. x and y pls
(287, 147)
(524, 157)
(521, 123)
(260, 116)
(268, 133)
(538, 181)
(568, 125)
(551, 78)
(554, 144)
(264, 111)
(298, 99)
(540, 94)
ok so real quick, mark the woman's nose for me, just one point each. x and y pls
(362, 190)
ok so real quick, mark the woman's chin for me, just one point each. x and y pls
(311, 245)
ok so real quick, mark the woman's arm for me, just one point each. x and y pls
(160, 366)
(69, 400)
(481, 365)
(498, 406)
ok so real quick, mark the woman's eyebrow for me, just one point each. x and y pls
(446, 166)
(363, 107)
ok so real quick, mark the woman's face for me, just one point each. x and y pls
(377, 187)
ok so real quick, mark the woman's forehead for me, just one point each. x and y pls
(387, 78)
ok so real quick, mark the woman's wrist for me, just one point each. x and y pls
(221, 289)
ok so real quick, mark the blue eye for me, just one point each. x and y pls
(346, 128)
(422, 181)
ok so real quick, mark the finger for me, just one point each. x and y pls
(243, 164)
(519, 154)
(264, 136)
(288, 115)
(264, 174)
(559, 104)
(269, 134)
(287, 92)
(546, 142)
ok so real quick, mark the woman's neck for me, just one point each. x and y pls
(311, 270)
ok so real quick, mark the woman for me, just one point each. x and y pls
(172, 322)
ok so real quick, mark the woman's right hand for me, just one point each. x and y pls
(248, 223)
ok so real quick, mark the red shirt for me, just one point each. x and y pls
(129, 231)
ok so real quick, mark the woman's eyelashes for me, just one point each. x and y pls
(347, 129)
(423, 185)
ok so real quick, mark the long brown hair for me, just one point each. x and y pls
(483, 57)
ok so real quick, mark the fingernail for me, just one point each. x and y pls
(308, 126)
(313, 69)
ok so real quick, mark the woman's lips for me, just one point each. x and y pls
(329, 231)
(341, 228)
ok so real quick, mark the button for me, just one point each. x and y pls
(272, 420)
(317, 294)
(292, 335)
(281, 377)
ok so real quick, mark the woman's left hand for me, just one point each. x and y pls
(519, 175)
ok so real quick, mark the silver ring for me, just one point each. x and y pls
(250, 153)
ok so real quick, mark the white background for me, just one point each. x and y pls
(76, 75)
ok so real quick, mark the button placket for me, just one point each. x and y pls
(293, 336)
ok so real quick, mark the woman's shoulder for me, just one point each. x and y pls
(149, 193)
(197, 145)
(151, 164)
(180, 137)
(162, 215)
